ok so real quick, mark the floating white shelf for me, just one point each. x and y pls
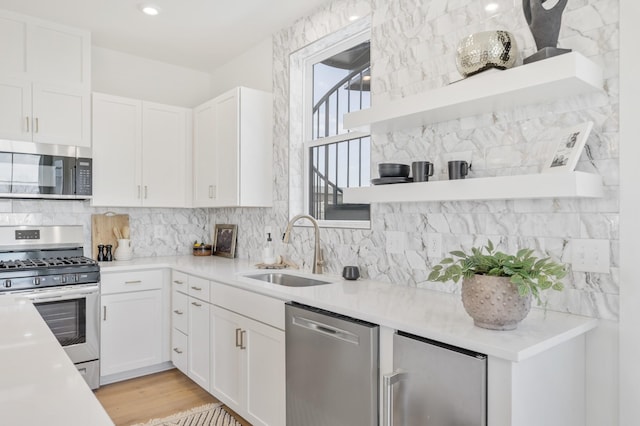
(542, 185)
(559, 77)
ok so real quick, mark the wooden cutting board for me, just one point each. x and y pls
(102, 230)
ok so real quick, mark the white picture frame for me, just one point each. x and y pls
(568, 145)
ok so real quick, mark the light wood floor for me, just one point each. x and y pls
(154, 396)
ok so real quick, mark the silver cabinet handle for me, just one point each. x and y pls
(176, 350)
(238, 331)
(27, 118)
(37, 125)
(146, 192)
(210, 191)
(104, 313)
(388, 381)
(133, 282)
(196, 288)
(196, 304)
(178, 282)
(178, 312)
(139, 189)
(242, 343)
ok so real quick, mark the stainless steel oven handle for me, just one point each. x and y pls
(62, 294)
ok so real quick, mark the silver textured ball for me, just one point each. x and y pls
(484, 50)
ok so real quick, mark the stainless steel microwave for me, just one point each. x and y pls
(29, 170)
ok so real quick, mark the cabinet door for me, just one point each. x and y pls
(58, 54)
(180, 311)
(204, 155)
(131, 336)
(13, 45)
(227, 372)
(264, 359)
(165, 136)
(117, 150)
(199, 348)
(61, 116)
(15, 110)
(179, 350)
(227, 134)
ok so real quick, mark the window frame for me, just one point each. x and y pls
(307, 141)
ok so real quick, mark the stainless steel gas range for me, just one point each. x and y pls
(46, 264)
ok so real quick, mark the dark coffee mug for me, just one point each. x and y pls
(458, 169)
(421, 170)
(350, 273)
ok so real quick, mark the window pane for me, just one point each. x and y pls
(340, 85)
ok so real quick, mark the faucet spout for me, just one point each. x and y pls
(318, 261)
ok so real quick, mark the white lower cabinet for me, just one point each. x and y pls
(190, 332)
(132, 315)
(231, 342)
(198, 346)
(248, 370)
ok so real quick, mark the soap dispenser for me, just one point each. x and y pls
(268, 256)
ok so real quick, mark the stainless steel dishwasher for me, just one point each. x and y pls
(331, 368)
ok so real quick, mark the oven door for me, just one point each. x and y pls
(72, 314)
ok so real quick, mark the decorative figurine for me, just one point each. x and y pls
(545, 27)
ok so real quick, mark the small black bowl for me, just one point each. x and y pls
(393, 170)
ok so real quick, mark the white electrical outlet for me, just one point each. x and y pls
(396, 241)
(589, 255)
(434, 245)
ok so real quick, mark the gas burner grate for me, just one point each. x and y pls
(44, 263)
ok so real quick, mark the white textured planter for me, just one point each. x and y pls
(494, 302)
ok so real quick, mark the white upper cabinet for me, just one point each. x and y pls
(166, 137)
(141, 153)
(44, 51)
(233, 150)
(45, 81)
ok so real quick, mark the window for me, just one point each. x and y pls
(337, 81)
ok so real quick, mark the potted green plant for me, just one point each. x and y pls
(496, 287)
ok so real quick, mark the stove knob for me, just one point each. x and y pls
(36, 281)
(77, 278)
(64, 279)
(7, 283)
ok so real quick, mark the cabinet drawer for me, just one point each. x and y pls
(261, 308)
(199, 288)
(180, 311)
(179, 350)
(179, 281)
(124, 282)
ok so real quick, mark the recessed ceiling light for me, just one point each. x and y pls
(491, 7)
(353, 17)
(149, 9)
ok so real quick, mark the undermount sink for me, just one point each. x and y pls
(287, 280)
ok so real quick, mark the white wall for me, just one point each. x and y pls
(629, 206)
(131, 76)
(251, 69)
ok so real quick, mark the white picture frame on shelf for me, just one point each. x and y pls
(569, 143)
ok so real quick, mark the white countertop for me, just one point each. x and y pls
(39, 385)
(431, 314)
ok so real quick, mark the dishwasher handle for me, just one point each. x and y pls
(388, 380)
(327, 330)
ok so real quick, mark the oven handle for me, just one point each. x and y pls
(62, 294)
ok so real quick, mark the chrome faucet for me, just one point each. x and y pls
(317, 252)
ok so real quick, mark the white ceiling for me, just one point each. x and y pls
(198, 34)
